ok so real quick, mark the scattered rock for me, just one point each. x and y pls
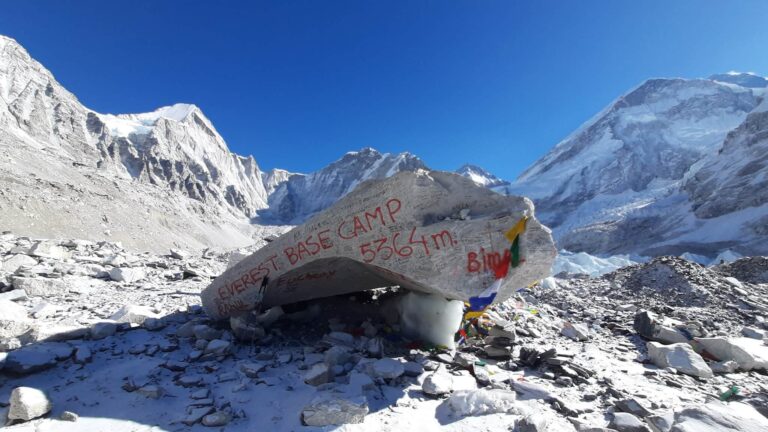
(438, 383)
(716, 416)
(40, 287)
(387, 368)
(679, 356)
(577, 332)
(179, 254)
(13, 319)
(328, 410)
(648, 325)
(31, 359)
(133, 314)
(217, 419)
(83, 355)
(151, 391)
(14, 262)
(126, 274)
(626, 422)
(748, 353)
(633, 407)
(69, 416)
(28, 403)
(317, 374)
(44, 249)
(217, 346)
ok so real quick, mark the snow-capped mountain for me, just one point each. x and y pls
(170, 165)
(484, 178)
(275, 177)
(301, 196)
(621, 182)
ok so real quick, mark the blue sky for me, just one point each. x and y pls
(299, 83)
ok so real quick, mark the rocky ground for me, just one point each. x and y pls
(95, 338)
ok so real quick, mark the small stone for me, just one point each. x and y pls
(724, 367)
(189, 380)
(500, 353)
(126, 274)
(564, 381)
(337, 355)
(28, 403)
(577, 332)
(412, 369)
(102, 330)
(633, 407)
(154, 324)
(151, 391)
(196, 414)
(661, 423)
(200, 394)
(217, 346)
(133, 314)
(340, 338)
(186, 330)
(205, 332)
(83, 355)
(179, 254)
(754, 333)
(387, 368)
(437, 383)
(625, 422)
(217, 419)
(69, 416)
(317, 374)
(251, 370)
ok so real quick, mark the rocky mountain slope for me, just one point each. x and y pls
(151, 180)
(658, 169)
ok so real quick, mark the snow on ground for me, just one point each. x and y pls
(584, 263)
(560, 357)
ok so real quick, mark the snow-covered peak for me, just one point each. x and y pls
(275, 177)
(744, 79)
(123, 125)
(365, 151)
(480, 176)
(301, 196)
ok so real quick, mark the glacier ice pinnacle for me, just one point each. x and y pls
(432, 232)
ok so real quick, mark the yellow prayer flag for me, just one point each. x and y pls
(516, 230)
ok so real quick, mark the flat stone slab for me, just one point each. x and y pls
(433, 232)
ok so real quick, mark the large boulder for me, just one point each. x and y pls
(679, 356)
(748, 353)
(716, 416)
(432, 232)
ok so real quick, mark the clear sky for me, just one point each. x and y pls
(299, 83)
